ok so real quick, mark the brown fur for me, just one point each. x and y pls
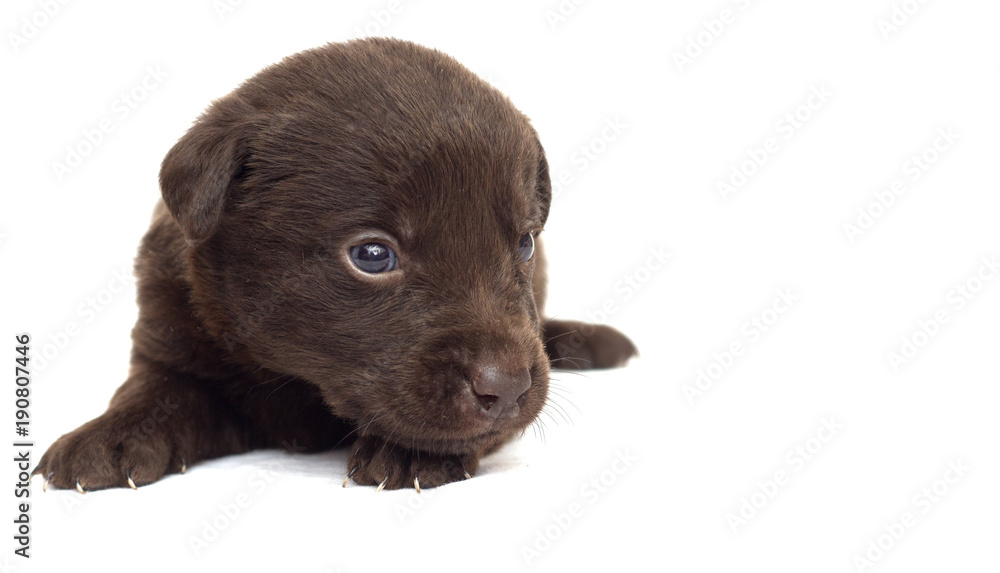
(254, 329)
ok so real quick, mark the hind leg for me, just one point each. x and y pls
(573, 345)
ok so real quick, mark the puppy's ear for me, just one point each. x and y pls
(198, 172)
(543, 185)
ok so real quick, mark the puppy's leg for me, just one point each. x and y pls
(573, 345)
(375, 461)
(158, 422)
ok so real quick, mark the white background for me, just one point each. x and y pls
(694, 463)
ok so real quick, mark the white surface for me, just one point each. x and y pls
(653, 186)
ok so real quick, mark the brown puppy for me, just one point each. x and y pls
(347, 250)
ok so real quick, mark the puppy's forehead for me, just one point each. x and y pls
(404, 141)
(481, 184)
(437, 155)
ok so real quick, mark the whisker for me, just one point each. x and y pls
(559, 410)
(388, 439)
(574, 373)
(575, 361)
(570, 369)
(286, 383)
(361, 430)
(551, 417)
(550, 319)
(551, 338)
(538, 426)
(259, 384)
(564, 412)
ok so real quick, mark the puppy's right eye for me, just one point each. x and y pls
(373, 258)
(526, 247)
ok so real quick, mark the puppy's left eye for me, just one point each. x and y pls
(373, 258)
(526, 247)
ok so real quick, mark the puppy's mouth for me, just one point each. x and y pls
(476, 414)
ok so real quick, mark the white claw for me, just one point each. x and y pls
(467, 476)
(381, 485)
(350, 474)
(79, 487)
(416, 484)
(45, 485)
(131, 483)
(184, 466)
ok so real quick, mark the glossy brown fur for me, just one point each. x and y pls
(254, 330)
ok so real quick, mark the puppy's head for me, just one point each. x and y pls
(363, 216)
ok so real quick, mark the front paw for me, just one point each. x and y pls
(110, 451)
(387, 465)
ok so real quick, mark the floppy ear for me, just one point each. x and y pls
(543, 185)
(199, 170)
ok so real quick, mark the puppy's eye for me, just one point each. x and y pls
(526, 247)
(373, 258)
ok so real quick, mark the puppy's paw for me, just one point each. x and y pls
(386, 465)
(573, 345)
(109, 452)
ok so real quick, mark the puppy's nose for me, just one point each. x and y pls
(499, 390)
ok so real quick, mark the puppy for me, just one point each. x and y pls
(347, 252)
